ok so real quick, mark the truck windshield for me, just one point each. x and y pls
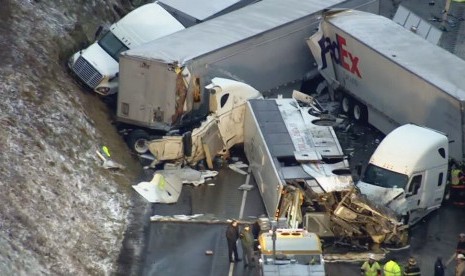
(112, 45)
(384, 178)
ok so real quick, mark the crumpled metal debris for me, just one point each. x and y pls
(245, 187)
(196, 218)
(352, 257)
(166, 185)
(346, 215)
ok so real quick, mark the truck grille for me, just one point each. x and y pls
(87, 72)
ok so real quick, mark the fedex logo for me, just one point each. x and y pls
(338, 52)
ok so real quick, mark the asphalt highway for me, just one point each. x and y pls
(179, 248)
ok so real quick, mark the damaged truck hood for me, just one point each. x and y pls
(390, 197)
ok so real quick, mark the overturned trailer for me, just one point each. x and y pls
(304, 177)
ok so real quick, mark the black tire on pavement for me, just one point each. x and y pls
(346, 104)
(138, 141)
(359, 112)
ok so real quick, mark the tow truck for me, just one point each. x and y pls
(289, 252)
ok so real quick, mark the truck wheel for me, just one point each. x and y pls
(360, 112)
(138, 141)
(346, 104)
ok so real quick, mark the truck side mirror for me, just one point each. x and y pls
(98, 32)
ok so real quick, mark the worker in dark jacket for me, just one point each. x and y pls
(412, 268)
(439, 267)
(247, 242)
(461, 244)
(232, 234)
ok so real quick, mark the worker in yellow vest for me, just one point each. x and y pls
(371, 267)
(392, 268)
(457, 187)
(455, 176)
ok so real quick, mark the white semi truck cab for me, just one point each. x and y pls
(408, 172)
(97, 65)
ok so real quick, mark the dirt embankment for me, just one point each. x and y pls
(61, 212)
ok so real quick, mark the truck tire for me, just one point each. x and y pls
(138, 141)
(360, 112)
(346, 104)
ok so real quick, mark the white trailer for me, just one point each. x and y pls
(389, 76)
(263, 45)
(190, 13)
(282, 143)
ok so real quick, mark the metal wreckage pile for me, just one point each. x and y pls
(348, 216)
(338, 211)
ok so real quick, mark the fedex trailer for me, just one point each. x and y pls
(388, 76)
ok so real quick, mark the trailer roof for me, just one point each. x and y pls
(199, 9)
(297, 146)
(228, 29)
(432, 63)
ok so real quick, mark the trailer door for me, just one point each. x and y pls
(132, 105)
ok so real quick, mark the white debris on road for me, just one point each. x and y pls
(166, 185)
(238, 166)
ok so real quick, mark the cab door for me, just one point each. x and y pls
(413, 197)
(435, 185)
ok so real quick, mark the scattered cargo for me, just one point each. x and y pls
(166, 185)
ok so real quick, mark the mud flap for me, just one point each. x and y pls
(187, 143)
